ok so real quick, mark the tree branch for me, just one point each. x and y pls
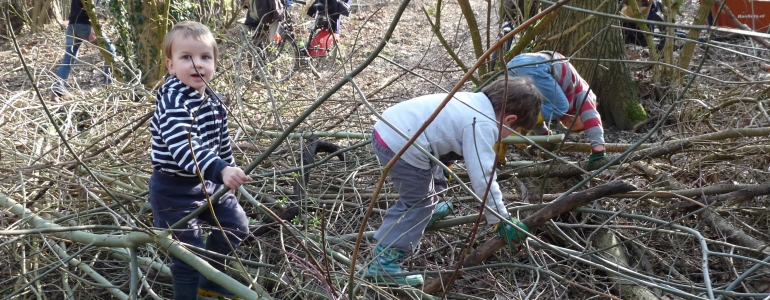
(565, 204)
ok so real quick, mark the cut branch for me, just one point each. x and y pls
(652, 152)
(732, 197)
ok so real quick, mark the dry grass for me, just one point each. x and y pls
(666, 248)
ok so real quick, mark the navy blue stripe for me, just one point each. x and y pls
(183, 117)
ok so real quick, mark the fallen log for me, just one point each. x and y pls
(614, 249)
(731, 198)
(732, 233)
(537, 219)
(662, 149)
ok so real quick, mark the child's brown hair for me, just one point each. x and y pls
(189, 29)
(520, 96)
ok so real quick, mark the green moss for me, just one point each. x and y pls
(636, 112)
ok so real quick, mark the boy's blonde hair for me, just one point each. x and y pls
(522, 99)
(189, 29)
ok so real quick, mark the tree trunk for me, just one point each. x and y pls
(149, 38)
(13, 10)
(142, 26)
(42, 13)
(617, 93)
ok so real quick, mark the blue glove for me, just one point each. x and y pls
(441, 211)
(511, 234)
(595, 156)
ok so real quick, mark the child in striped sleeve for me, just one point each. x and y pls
(568, 98)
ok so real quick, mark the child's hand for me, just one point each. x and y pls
(233, 177)
(511, 234)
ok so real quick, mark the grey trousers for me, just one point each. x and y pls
(418, 192)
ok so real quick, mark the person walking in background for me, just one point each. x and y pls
(79, 29)
(334, 8)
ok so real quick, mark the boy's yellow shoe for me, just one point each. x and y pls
(214, 295)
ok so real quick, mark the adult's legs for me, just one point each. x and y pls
(111, 50)
(74, 36)
(633, 37)
(339, 21)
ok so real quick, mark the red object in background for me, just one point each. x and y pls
(753, 13)
(322, 42)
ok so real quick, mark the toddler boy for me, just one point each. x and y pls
(190, 139)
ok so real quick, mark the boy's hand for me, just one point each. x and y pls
(511, 234)
(92, 35)
(501, 149)
(233, 177)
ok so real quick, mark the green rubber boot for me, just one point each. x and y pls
(385, 263)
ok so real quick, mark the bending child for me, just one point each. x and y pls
(466, 128)
(190, 138)
(568, 97)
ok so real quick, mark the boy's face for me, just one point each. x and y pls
(186, 50)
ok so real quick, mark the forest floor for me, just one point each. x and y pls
(728, 96)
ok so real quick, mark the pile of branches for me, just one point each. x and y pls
(677, 212)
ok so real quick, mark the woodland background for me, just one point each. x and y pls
(687, 127)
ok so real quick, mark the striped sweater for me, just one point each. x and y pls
(181, 112)
(578, 93)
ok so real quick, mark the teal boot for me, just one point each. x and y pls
(386, 262)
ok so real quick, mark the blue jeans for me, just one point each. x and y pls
(174, 197)
(75, 35)
(418, 193)
(555, 103)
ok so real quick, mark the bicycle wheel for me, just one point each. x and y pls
(280, 57)
(324, 53)
(328, 62)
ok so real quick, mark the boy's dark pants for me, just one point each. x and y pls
(174, 197)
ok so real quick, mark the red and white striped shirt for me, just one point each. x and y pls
(579, 96)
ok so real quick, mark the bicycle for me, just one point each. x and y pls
(282, 55)
(323, 43)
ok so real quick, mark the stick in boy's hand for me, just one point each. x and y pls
(233, 177)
